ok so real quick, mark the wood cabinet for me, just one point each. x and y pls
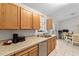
(9, 16)
(1, 16)
(41, 49)
(26, 19)
(32, 51)
(36, 21)
(53, 40)
(49, 24)
(15, 17)
(22, 53)
(51, 44)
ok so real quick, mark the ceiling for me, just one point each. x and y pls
(58, 12)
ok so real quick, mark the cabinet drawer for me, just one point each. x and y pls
(33, 52)
(21, 53)
(27, 52)
(33, 47)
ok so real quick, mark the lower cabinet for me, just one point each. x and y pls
(51, 44)
(42, 49)
(26, 54)
(32, 51)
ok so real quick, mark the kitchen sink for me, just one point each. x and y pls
(45, 36)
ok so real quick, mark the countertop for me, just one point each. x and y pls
(13, 48)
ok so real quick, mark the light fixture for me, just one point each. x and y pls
(57, 4)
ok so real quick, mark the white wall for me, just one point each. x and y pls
(7, 34)
(72, 24)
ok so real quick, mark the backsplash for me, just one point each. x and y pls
(7, 34)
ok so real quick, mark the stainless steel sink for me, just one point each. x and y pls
(45, 36)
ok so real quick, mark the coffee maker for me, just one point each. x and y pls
(17, 38)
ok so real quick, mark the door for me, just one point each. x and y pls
(33, 52)
(9, 16)
(36, 21)
(26, 54)
(49, 24)
(53, 40)
(49, 46)
(1, 17)
(22, 53)
(26, 19)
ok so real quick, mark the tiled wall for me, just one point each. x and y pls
(7, 34)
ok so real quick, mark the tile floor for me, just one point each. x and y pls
(65, 48)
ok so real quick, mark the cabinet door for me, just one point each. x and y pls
(26, 54)
(10, 16)
(36, 21)
(53, 43)
(49, 24)
(49, 46)
(26, 19)
(33, 52)
(22, 53)
(1, 17)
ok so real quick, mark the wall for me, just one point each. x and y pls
(7, 34)
(72, 24)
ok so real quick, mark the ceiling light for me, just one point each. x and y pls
(58, 4)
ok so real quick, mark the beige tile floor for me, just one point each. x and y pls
(65, 48)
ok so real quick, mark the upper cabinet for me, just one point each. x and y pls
(15, 17)
(36, 21)
(1, 16)
(26, 19)
(9, 16)
(49, 24)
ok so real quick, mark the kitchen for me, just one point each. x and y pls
(39, 29)
(25, 31)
